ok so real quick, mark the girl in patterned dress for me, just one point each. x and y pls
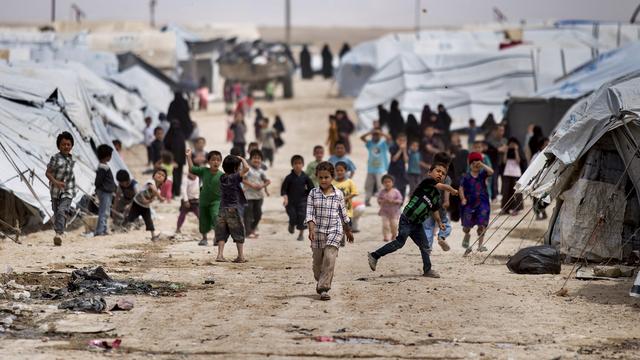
(474, 198)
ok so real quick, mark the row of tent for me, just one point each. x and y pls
(474, 71)
(40, 100)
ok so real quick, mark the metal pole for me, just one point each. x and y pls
(417, 18)
(53, 11)
(152, 12)
(564, 63)
(287, 21)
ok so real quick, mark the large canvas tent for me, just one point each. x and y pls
(469, 85)
(592, 169)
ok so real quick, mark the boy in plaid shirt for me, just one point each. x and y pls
(62, 184)
(328, 221)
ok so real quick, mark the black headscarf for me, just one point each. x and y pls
(345, 49)
(179, 109)
(444, 124)
(383, 116)
(305, 63)
(396, 122)
(327, 62)
(174, 142)
(278, 125)
(536, 141)
(412, 128)
(257, 123)
(425, 117)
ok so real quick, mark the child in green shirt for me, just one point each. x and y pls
(209, 192)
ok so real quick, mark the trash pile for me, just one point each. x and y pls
(257, 53)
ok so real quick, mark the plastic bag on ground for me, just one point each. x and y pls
(542, 259)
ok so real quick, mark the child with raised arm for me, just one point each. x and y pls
(377, 163)
(424, 202)
(328, 221)
(295, 189)
(190, 199)
(255, 188)
(141, 205)
(233, 201)
(209, 192)
(474, 198)
(446, 190)
(62, 184)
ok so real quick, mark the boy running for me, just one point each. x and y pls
(328, 221)
(62, 184)
(424, 202)
(209, 192)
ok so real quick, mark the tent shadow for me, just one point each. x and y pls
(607, 292)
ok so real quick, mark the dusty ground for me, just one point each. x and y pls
(268, 307)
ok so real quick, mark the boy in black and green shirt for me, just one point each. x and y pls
(424, 203)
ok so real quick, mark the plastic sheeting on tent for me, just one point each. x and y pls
(581, 127)
(559, 48)
(467, 84)
(591, 75)
(357, 66)
(29, 134)
(154, 92)
(601, 131)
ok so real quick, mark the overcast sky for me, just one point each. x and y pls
(357, 13)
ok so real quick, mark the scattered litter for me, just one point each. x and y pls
(341, 331)
(209, 280)
(21, 295)
(355, 340)
(543, 259)
(325, 339)
(604, 272)
(104, 344)
(93, 304)
(123, 305)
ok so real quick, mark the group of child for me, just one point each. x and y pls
(318, 197)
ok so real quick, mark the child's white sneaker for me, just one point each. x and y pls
(373, 262)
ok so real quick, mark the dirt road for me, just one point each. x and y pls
(268, 306)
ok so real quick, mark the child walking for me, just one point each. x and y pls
(141, 205)
(424, 202)
(474, 198)
(340, 154)
(105, 187)
(294, 191)
(328, 222)
(318, 156)
(390, 201)
(209, 192)
(233, 201)
(348, 188)
(268, 140)
(62, 184)
(190, 201)
(254, 183)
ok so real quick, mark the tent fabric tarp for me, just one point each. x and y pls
(559, 48)
(28, 134)
(469, 85)
(591, 75)
(590, 167)
(154, 92)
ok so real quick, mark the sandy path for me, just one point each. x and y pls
(268, 306)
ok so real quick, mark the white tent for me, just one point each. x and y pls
(591, 75)
(592, 155)
(154, 92)
(467, 84)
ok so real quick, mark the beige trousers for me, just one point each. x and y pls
(324, 262)
(389, 227)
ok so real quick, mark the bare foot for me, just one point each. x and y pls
(240, 260)
(221, 259)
